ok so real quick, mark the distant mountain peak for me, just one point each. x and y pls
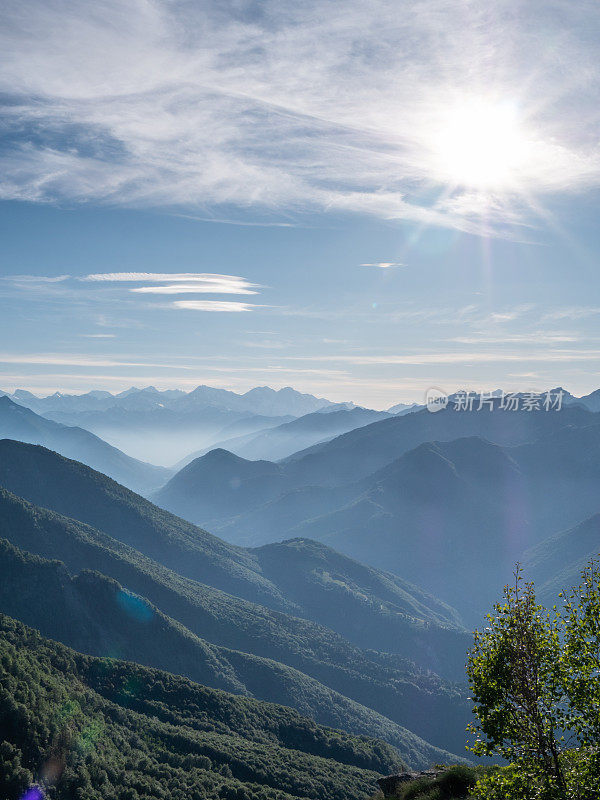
(219, 454)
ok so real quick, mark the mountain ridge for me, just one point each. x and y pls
(95, 615)
(166, 736)
(18, 422)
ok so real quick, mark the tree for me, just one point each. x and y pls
(516, 675)
(580, 617)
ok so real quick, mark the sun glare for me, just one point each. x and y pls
(480, 145)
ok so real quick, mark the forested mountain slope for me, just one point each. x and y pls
(99, 728)
(424, 703)
(371, 608)
(96, 615)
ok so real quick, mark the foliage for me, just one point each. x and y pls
(581, 768)
(401, 694)
(581, 621)
(94, 728)
(535, 678)
(454, 783)
(515, 673)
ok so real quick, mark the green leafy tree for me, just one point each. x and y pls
(516, 670)
(581, 620)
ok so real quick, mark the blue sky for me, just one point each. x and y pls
(355, 201)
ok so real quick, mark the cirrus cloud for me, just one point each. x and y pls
(178, 282)
(212, 305)
(311, 106)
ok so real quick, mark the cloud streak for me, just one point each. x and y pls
(460, 358)
(69, 360)
(178, 283)
(298, 107)
(213, 305)
(155, 283)
(384, 264)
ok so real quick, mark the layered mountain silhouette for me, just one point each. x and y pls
(283, 440)
(96, 615)
(556, 563)
(164, 426)
(323, 593)
(442, 513)
(100, 727)
(261, 400)
(394, 615)
(76, 491)
(18, 422)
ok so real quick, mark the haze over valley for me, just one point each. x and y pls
(299, 400)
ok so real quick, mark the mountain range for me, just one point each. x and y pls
(99, 727)
(354, 550)
(18, 422)
(165, 426)
(381, 694)
(277, 442)
(438, 499)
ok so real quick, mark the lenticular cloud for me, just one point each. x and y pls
(178, 283)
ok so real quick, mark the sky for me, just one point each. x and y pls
(361, 200)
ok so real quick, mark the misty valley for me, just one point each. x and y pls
(290, 617)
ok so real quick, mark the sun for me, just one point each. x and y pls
(480, 145)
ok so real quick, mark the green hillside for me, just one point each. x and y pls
(395, 616)
(96, 615)
(96, 728)
(556, 563)
(17, 422)
(392, 693)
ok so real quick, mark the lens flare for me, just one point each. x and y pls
(33, 793)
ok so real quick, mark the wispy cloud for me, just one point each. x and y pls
(384, 264)
(530, 337)
(460, 358)
(70, 360)
(164, 277)
(212, 305)
(317, 105)
(195, 288)
(98, 335)
(572, 312)
(35, 279)
(164, 283)
(96, 285)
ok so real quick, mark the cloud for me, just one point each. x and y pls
(572, 312)
(295, 107)
(69, 360)
(384, 264)
(460, 358)
(157, 283)
(195, 288)
(178, 283)
(35, 279)
(98, 335)
(212, 305)
(163, 277)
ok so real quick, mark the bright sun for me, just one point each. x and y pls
(480, 145)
